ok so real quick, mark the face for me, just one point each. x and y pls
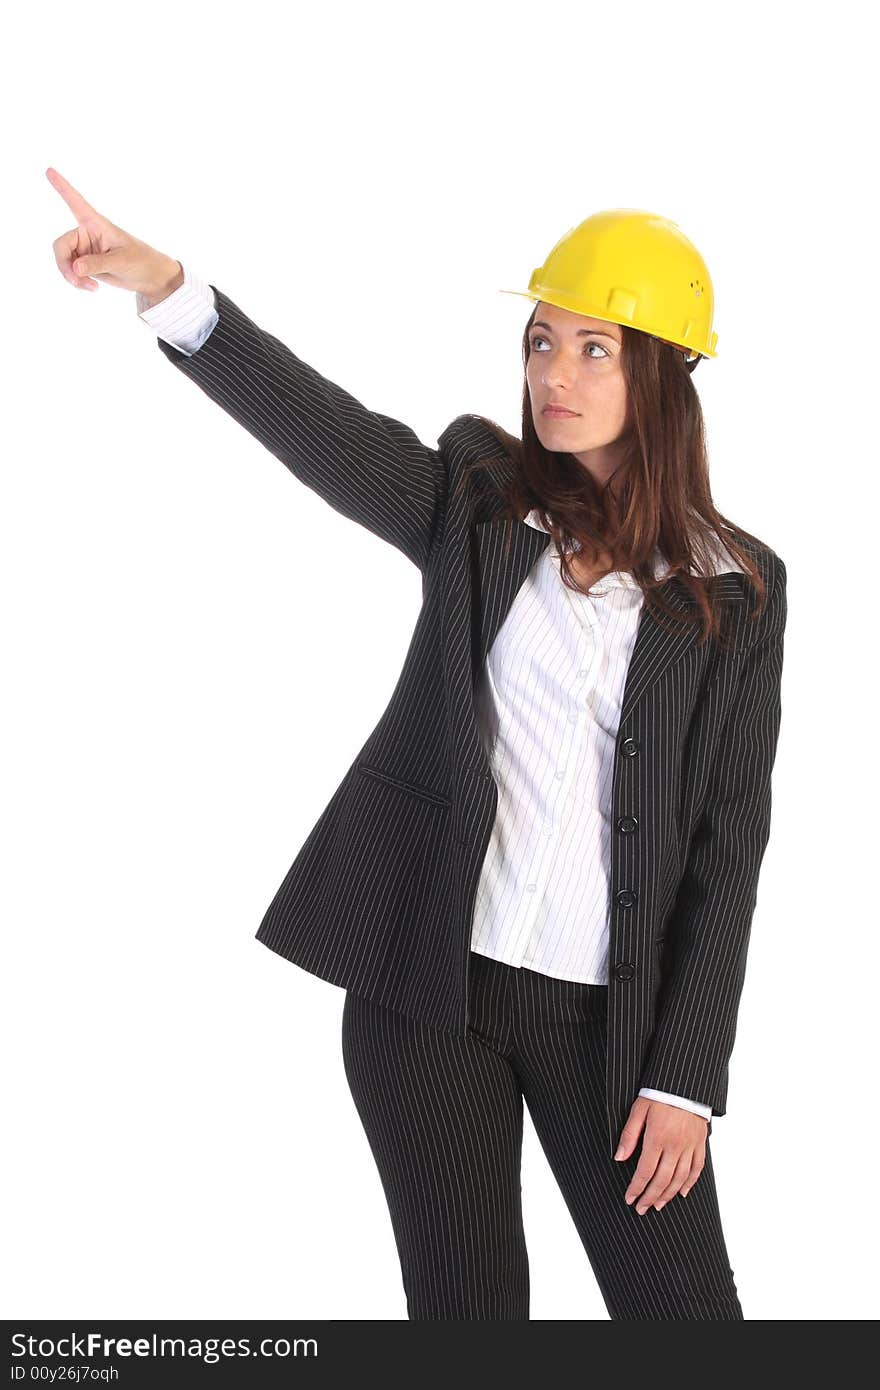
(575, 361)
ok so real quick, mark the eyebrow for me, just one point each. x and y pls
(581, 332)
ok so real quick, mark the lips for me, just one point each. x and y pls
(559, 412)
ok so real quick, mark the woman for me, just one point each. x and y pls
(536, 881)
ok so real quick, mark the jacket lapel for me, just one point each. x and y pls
(500, 576)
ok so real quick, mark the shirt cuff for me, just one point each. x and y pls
(694, 1105)
(185, 317)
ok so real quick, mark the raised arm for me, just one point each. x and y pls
(368, 466)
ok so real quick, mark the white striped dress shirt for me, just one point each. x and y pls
(548, 707)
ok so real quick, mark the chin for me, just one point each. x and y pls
(566, 429)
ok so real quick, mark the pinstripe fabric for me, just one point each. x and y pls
(444, 1119)
(548, 630)
(380, 896)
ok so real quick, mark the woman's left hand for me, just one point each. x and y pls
(673, 1151)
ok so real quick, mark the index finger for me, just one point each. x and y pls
(75, 201)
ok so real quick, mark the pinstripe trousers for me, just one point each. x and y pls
(444, 1119)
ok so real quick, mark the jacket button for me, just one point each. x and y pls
(623, 970)
(629, 747)
(626, 824)
(625, 897)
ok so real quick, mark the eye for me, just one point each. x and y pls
(539, 338)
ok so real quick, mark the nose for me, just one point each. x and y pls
(555, 372)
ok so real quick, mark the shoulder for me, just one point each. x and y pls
(772, 569)
(472, 437)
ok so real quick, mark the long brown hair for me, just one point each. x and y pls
(658, 497)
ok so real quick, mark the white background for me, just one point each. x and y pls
(195, 645)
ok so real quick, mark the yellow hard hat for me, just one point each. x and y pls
(634, 268)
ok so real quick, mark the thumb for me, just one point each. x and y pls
(633, 1127)
(91, 265)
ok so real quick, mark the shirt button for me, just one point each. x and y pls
(572, 717)
(530, 887)
(560, 774)
(585, 671)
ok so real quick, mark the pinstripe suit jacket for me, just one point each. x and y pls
(379, 898)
